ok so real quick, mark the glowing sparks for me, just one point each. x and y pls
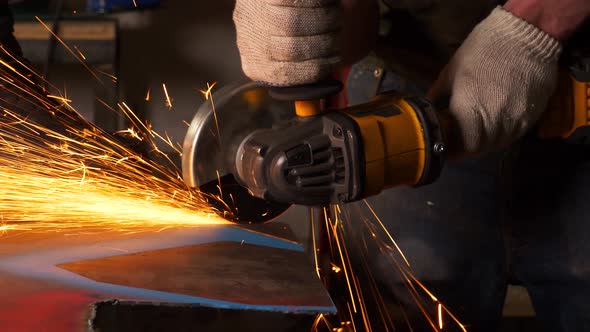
(62, 99)
(168, 101)
(68, 48)
(440, 317)
(64, 173)
(135, 3)
(315, 246)
(335, 268)
(320, 319)
(54, 186)
(147, 96)
(386, 231)
(353, 284)
(347, 271)
(15, 71)
(79, 52)
(111, 76)
(132, 133)
(208, 94)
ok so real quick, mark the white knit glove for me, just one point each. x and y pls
(288, 42)
(500, 81)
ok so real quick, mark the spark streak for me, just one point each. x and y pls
(80, 52)
(208, 94)
(315, 247)
(168, 101)
(62, 99)
(440, 317)
(386, 231)
(111, 76)
(69, 49)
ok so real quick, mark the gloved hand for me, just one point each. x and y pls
(288, 42)
(499, 82)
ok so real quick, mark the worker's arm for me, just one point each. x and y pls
(6, 31)
(294, 42)
(501, 78)
(359, 28)
(560, 19)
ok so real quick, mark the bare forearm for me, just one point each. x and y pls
(558, 18)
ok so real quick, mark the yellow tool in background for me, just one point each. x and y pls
(568, 115)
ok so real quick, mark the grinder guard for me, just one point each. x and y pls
(208, 159)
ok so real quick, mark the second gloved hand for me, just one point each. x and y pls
(500, 81)
(288, 42)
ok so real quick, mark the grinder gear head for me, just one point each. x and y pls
(307, 161)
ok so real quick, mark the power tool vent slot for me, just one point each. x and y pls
(339, 168)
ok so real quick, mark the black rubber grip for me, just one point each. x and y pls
(306, 92)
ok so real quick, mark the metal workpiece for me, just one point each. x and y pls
(206, 278)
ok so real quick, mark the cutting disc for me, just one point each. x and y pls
(210, 147)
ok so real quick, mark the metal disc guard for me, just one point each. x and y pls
(209, 148)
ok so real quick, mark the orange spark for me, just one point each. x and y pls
(208, 93)
(440, 317)
(147, 96)
(68, 49)
(335, 268)
(111, 76)
(65, 100)
(131, 132)
(209, 96)
(314, 246)
(15, 71)
(78, 50)
(168, 101)
(341, 254)
(386, 231)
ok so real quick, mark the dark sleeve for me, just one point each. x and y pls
(7, 28)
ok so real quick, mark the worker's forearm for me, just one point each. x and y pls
(558, 18)
(359, 30)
